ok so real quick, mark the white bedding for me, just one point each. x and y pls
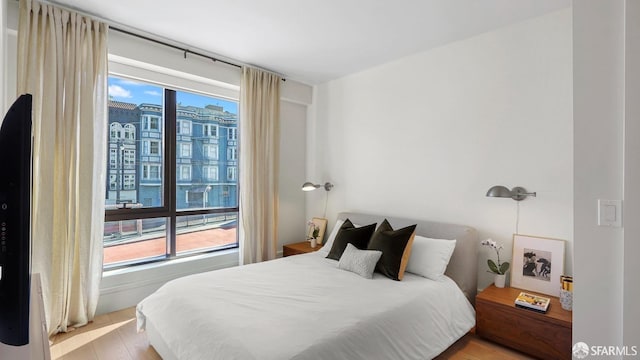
(304, 307)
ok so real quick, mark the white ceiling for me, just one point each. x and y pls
(314, 41)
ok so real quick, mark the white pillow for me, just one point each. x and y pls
(361, 262)
(430, 257)
(329, 242)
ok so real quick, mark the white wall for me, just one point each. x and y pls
(292, 222)
(426, 136)
(598, 46)
(631, 286)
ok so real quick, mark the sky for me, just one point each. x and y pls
(131, 91)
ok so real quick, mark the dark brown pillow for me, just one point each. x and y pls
(396, 249)
(349, 234)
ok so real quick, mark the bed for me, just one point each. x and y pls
(304, 307)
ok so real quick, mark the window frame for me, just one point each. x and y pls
(169, 153)
(232, 134)
(113, 158)
(147, 166)
(206, 130)
(185, 146)
(129, 158)
(115, 131)
(208, 171)
(232, 173)
(129, 131)
(232, 153)
(131, 182)
(113, 182)
(147, 121)
(180, 127)
(181, 172)
(208, 153)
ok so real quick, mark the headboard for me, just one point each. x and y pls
(463, 266)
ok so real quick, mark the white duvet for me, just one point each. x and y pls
(304, 307)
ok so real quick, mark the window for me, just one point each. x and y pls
(184, 127)
(210, 173)
(163, 190)
(232, 153)
(232, 133)
(129, 182)
(151, 147)
(210, 151)
(150, 172)
(184, 172)
(129, 158)
(114, 132)
(151, 123)
(113, 158)
(129, 132)
(232, 173)
(185, 150)
(113, 182)
(210, 130)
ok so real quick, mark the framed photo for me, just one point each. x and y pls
(537, 264)
(321, 225)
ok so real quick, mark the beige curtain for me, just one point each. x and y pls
(259, 162)
(62, 62)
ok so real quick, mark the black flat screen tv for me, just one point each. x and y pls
(15, 222)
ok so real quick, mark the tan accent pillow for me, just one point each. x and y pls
(405, 256)
(396, 249)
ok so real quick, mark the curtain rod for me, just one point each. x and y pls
(114, 26)
(184, 50)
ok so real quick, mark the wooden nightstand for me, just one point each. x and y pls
(302, 247)
(545, 336)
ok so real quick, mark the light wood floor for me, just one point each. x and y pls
(113, 336)
(110, 336)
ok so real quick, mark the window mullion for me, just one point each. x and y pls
(170, 167)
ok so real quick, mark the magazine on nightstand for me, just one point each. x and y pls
(532, 302)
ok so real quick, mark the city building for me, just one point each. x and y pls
(206, 156)
(122, 172)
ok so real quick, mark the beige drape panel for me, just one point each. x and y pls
(62, 62)
(259, 161)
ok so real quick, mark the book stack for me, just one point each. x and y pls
(532, 302)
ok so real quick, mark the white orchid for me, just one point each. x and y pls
(499, 268)
(313, 230)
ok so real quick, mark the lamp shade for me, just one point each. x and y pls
(499, 191)
(309, 186)
(517, 193)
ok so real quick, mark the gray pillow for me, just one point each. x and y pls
(361, 262)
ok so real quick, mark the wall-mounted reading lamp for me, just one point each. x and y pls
(517, 193)
(308, 186)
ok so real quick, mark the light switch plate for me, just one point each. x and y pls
(610, 213)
